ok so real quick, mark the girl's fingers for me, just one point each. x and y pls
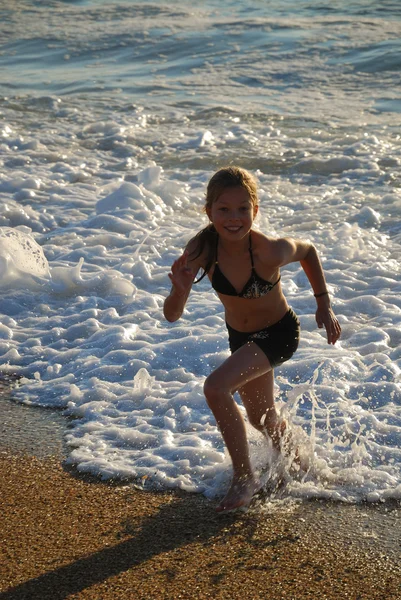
(177, 265)
(330, 323)
(180, 263)
(333, 332)
(184, 259)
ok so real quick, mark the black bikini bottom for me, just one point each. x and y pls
(278, 341)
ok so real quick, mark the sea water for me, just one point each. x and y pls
(113, 116)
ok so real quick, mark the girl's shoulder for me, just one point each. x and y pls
(267, 240)
(200, 248)
(270, 249)
(262, 242)
(193, 245)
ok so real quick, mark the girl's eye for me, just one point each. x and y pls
(223, 209)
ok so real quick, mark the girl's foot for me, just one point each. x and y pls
(239, 495)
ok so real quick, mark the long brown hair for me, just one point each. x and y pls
(227, 177)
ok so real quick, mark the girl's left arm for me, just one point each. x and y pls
(306, 254)
(324, 314)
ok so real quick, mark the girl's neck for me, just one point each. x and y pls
(235, 247)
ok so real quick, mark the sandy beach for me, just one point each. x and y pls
(65, 536)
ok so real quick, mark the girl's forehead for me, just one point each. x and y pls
(234, 194)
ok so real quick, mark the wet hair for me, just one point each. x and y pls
(225, 178)
(231, 177)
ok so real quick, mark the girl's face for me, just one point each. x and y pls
(232, 213)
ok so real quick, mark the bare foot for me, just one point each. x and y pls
(239, 495)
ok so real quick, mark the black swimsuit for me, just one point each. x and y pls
(255, 287)
(278, 341)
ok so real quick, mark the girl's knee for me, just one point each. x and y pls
(209, 387)
(213, 388)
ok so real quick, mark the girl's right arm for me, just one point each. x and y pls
(182, 276)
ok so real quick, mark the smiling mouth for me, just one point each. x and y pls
(234, 229)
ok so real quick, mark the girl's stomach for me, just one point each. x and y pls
(253, 314)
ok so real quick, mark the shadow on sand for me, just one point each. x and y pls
(177, 524)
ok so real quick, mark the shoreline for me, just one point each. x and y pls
(67, 536)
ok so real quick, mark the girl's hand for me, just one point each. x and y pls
(181, 275)
(325, 316)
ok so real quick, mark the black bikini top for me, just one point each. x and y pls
(255, 287)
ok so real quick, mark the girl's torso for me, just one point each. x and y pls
(248, 284)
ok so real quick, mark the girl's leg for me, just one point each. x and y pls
(246, 364)
(258, 398)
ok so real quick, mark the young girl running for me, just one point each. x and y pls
(243, 266)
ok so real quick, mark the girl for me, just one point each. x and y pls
(243, 266)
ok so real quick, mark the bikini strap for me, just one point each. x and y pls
(250, 251)
(276, 282)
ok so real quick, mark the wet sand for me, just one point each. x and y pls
(64, 536)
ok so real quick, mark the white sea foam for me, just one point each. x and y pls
(99, 196)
